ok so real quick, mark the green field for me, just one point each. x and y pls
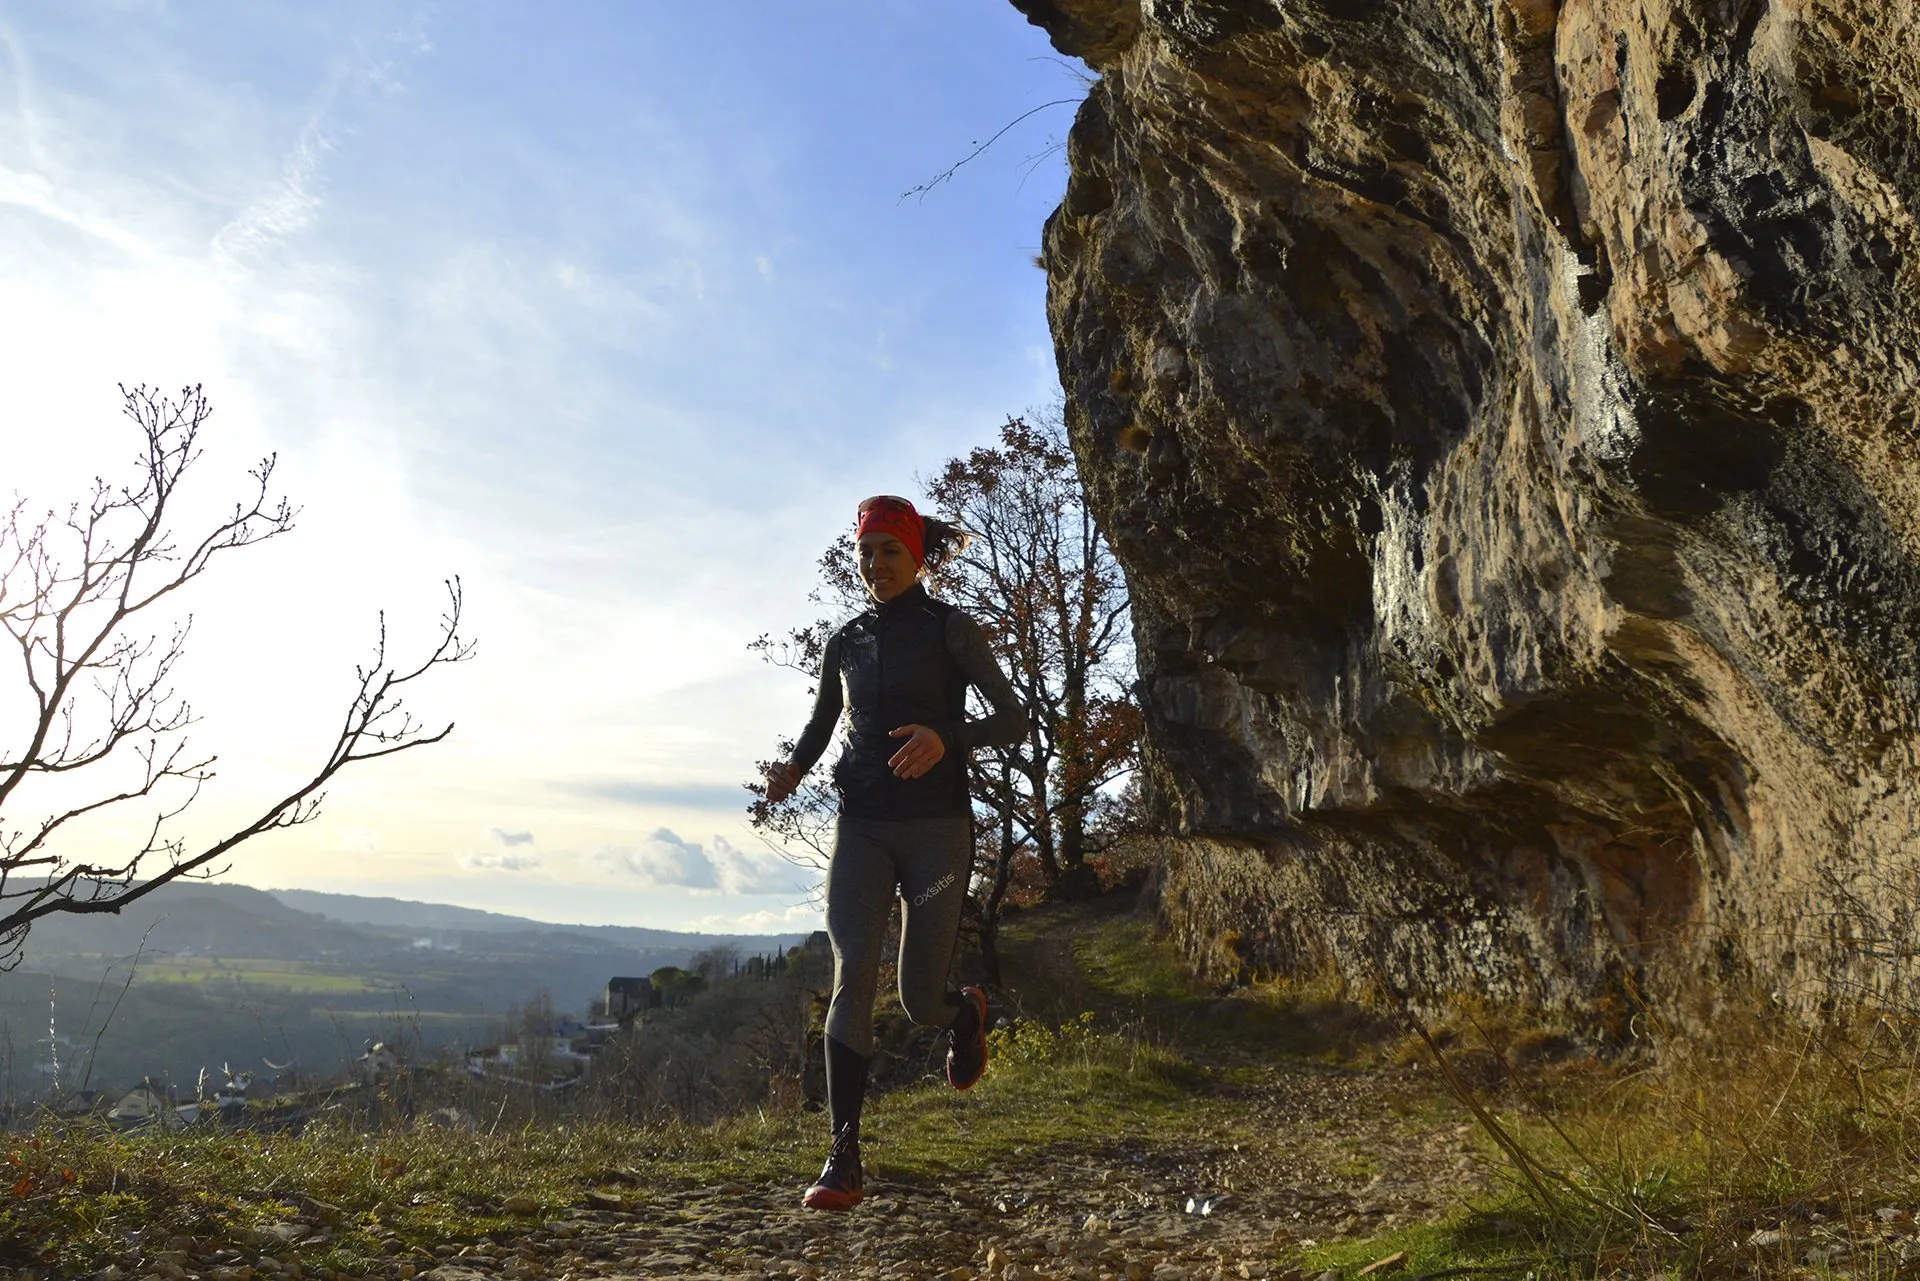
(409, 1016)
(281, 975)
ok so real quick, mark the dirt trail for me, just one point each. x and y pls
(1336, 1161)
(1280, 1151)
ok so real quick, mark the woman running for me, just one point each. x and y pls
(901, 669)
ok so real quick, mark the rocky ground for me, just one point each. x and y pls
(1302, 1154)
(1295, 1126)
(1299, 1154)
(1274, 1153)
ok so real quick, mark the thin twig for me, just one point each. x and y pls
(979, 149)
(132, 969)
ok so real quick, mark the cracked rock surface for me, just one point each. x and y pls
(1507, 414)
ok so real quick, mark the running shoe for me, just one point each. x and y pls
(967, 1040)
(839, 1186)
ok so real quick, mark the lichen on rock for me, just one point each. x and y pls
(1507, 414)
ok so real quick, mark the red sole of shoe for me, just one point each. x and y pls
(979, 1000)
(832, 1199)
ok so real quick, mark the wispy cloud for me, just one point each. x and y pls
(664, 860)
(555, 307)
(501, 862)
(23, 96)
(747, 872)
(668, 860)
(30, 178)
(293, 201)
(799, 918)
(512, 852)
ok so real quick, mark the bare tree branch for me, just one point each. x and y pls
(73, 586)
(980, 149)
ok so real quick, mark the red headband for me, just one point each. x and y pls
(895, 516)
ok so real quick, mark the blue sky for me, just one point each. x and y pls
(614, 309)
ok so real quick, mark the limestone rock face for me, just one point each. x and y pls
(1508, 414)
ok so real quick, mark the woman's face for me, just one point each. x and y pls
(886, 566)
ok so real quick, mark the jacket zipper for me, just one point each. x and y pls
(880, 705)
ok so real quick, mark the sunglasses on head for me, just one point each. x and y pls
(883, 500)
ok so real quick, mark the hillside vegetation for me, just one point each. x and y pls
(1134, 1124)
(228, 974)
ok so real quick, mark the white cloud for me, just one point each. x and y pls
(524, 347)
(744, 872)
(500, 862)
(291, 203)
(800, 917)
(667, 860)
(512, 852)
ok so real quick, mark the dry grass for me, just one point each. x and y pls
(83, 1196)
(1759, 1146)
(1752, 1146)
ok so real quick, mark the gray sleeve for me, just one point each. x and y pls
(814, 738)
(1007, 723)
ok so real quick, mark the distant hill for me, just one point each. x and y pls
(231, 973)
(237, 920)
(395, 913)
(228, 920)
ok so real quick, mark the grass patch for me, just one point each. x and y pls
(77, 1194)
(367, 1196)
(1130, 968)
(1125, 961)
(288, 976)
(1047, 1086)
(1768, 1148)
(1467, 1240)
(1765, 1149)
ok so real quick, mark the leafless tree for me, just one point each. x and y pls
(95, 688)
(800, 828)
(720, 961)
(1042, 580)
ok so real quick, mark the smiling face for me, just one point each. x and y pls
(886, 566)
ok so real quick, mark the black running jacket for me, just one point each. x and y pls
(907, 661)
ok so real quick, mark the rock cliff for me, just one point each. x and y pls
(1508, 414)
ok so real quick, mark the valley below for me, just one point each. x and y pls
(293, 986)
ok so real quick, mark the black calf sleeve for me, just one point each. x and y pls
(846, 1085)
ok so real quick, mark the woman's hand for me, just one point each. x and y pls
(922, 751)
(782, 778)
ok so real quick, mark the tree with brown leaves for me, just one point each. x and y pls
(1040, 578)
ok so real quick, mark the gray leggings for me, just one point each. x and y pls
(928, 860)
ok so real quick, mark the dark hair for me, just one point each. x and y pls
(944, 541)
